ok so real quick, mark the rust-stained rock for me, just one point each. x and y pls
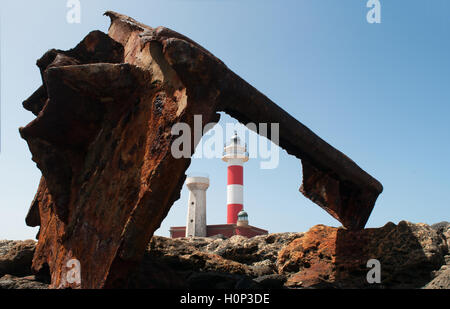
(335, 257)
(102, 139)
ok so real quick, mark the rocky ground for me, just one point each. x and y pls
(411, 256)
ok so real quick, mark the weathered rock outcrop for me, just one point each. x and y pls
(326, 256)
(443, 228)
(441, 278)
(15, 266)
(9, 282)
(411, 256)
(238, 255)
(102, 139)
(16, 257)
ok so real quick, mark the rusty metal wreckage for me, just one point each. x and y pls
(103, 146)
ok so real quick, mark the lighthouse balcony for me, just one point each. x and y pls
(235, 149)
(235, 153)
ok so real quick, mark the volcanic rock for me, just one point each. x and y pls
(16, 257)
(237, 255)
(411, 256)
(443, 228)
(335, 257)
(441, 279)
(8, 282)
(221, 263)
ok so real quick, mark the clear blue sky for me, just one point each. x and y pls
(378, 92)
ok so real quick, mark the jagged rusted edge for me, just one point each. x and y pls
(330, 178)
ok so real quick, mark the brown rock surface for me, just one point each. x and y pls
(102, 139)
(443, 228)
(216, 263)
(441, 279)
(9, 282)
(254, 257)
(335, 257)
(411, 255)
(16, 257)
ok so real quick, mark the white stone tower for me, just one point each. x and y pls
(196, 218)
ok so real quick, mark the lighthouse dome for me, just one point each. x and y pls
(242, 219)
(243, 216)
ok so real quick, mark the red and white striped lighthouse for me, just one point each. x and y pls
(235, 155)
